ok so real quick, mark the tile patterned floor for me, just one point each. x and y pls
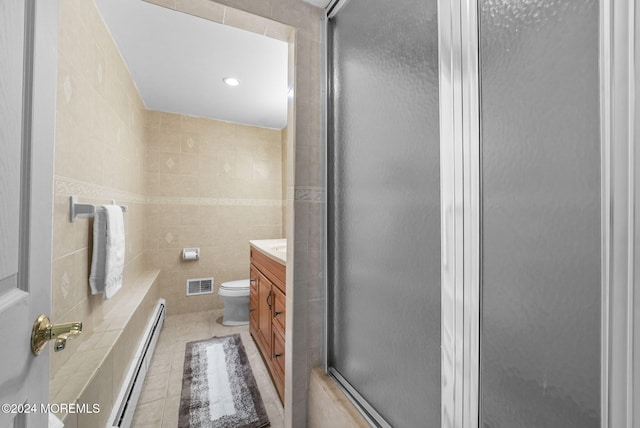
(160, 398)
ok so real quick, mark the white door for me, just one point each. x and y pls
(27, 120)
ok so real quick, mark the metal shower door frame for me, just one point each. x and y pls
(460, 202)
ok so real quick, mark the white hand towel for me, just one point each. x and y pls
(107, 263)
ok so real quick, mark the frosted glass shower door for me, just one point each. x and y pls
(541, 214)
(384, 199)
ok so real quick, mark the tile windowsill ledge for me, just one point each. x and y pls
(79, 371)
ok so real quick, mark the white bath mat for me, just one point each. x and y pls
(218, 387)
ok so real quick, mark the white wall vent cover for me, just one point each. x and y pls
(199, 286)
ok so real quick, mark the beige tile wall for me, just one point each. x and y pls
(99, 155)
(213, 185)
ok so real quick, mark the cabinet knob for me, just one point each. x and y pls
(252, 309)
(277, 313)
(277, 355)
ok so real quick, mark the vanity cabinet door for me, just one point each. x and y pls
(265, 304)
(277, 361)
(253, 299)
(279, 313)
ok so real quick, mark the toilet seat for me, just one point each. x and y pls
(234, 288)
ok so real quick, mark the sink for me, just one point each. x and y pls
(273, 248)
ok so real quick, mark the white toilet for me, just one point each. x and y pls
(235, 296)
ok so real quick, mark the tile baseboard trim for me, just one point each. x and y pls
(309, 194)
(71, 187)
(168, 200)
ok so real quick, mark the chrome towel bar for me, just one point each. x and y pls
(77, 210)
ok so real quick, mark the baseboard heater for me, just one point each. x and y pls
(125, 405)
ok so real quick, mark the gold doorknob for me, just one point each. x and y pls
(43, 331)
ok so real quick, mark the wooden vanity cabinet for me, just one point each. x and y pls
(267, 318)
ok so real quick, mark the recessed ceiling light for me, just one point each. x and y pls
(231, 81)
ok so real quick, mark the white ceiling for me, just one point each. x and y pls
(178, 62)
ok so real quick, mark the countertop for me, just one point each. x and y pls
(275, 249)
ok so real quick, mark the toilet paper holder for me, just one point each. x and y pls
(189, 254)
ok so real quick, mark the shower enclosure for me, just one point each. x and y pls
(481, 212)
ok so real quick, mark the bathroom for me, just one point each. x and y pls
(426, 221)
